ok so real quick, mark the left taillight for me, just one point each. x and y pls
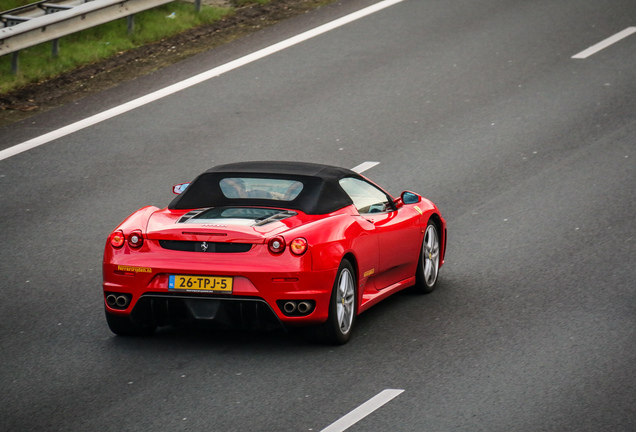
(117, 239)
(135, 240)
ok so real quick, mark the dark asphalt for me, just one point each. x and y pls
(477, 105)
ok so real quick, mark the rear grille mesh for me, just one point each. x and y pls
(197, 246)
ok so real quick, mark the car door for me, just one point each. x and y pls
(399, 236)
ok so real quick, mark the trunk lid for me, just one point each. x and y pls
(220, 224)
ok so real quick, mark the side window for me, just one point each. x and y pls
(366, 197)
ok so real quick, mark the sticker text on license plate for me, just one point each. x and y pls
(200, 283)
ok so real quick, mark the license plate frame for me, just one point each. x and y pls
(192, 283)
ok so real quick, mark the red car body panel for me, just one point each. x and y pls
(384, 249)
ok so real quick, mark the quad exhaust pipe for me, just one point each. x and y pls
(297, 308)
(304, 307)
(118, 301)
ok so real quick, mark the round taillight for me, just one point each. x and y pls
(276, 245)
(117, 239)
(298, 246)
(135, 240)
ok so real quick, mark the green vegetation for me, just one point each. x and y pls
(94, 44)
(12, 4)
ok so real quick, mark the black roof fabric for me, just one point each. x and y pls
(321, 192)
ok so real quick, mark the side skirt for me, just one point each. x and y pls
(370, 299)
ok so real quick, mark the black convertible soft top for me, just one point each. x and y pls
(321, 191)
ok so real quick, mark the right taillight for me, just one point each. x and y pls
(298, 246)
(276, 245)
(117, 239)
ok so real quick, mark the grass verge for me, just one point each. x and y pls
(104, 41)
(244, 17)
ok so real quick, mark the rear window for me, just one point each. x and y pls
(240, 216)
(260, 188)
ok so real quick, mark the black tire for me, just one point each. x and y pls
(342, 307)
(122, 325)
(428, 266)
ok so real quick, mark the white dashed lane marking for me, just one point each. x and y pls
(605, 43)
(363, 410)
(364, 166)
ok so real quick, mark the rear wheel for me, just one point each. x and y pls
(122, 325)
(342, 307)
(428, 266)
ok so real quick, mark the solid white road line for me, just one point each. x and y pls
(604, 44)
(364, 166)
(105, 115)
(363, 410)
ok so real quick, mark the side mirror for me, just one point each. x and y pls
(178, 189)
(410, 197)
(398, 203)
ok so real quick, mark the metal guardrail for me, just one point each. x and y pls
(33, 30)
(34, 10)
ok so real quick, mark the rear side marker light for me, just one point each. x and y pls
(117, 239)
(276, 245)
(135, 240)
(298, 246)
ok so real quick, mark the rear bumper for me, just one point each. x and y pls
(257, 299)
(157, 309)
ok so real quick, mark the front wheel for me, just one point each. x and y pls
(342, 307)
(428, 265)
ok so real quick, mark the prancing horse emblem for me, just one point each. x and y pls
(204, 246)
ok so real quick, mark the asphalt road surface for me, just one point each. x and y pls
(478, 105)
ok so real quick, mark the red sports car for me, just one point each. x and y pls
(264, 244)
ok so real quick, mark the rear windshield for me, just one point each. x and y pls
(260, 188)
(240, 216)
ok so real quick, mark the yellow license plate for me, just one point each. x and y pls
(200, 283)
